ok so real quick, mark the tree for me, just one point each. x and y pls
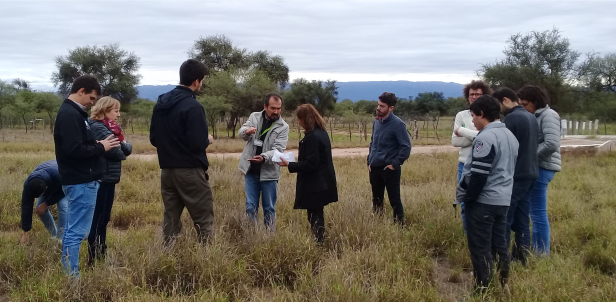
(49, 103)
(431, 103)
(7, 97)
(20, 84)
(322, 95)
(599, 73)
(219, 54)
(115, 69)
(537, 58)
(215, 108)
(242, 89)
(25, 103)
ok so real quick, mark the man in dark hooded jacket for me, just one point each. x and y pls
(179, 132)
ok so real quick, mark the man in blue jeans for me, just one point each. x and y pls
(264, 133)
(44, 184)
(524, 127)
(79, 157)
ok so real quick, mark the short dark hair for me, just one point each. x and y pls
(36, 186)
(488, 105)
(269, 96)
(191, 71)
(88, 83)
(535, 95)
(485, 88)
(388, 98)
(505, 92)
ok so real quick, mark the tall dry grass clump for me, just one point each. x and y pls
(365, 257)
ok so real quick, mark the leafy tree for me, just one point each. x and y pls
(25, 103)
(599, 73)
(115, 69)
(538, 58)
(455, 105)
(219, 54)
(215, 108)
(432, 103)
(322, 95)
(343, 106)
(49, 103)
(7, 97)
(242, 89)
(20, 84)
(366, 107)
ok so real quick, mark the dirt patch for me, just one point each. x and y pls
(451, 284)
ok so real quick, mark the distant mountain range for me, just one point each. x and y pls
(353, 91)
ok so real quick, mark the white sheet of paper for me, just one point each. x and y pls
(288, 156)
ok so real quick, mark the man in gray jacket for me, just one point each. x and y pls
(264, 132)
(485, 188)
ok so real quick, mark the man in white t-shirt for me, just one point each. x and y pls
(463, 129)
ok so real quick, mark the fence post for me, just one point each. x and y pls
(577, 127)
(570, 127)
(597, 127)
(563, 128)
(583, 128)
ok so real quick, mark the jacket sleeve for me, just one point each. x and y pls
(27, 205)
(127, 148)
(72, 140)
(311, 162)
(404, 146)
(550, 125)
(370, 145)
(280, 144)
(483, 158)
(101, 132)
(196, 129)
(467, 133)
(459, 141)
(153, 123)
(242, 132)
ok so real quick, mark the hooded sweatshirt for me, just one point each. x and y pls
(179, 130)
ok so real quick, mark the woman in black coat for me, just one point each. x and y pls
(104, 116)
(316, 179)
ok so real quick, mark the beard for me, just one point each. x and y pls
(381, 114)
(273, 117)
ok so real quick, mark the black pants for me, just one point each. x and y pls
(486, 226)
(317, 223)
(518, 219)
(386, 179)
(102, 214)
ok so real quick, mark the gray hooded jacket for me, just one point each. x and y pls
(275, 139)
(548, 152)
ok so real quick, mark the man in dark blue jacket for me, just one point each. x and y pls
(79, 161)
(389, 148)
(179, 132)
(44, 184)
(524, 127)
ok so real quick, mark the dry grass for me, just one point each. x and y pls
(365, 258)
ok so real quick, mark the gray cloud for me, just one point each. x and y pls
(376, 39)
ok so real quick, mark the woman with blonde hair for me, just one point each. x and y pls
(103, 123)
(316, 178)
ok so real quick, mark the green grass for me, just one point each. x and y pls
(365, 258)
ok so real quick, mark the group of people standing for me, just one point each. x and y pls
(503, 173)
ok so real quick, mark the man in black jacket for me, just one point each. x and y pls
(524, 127)
(78, 155)
(180, 134)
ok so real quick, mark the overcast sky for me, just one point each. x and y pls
(340, 40)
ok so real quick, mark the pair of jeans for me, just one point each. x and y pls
(518, 219)
(486, 226)
(268, 192)
(539, 212)
(460, 169)
(381, 179)
(97, 239)
(187, 188)
(48, 220)
(317, 223)
(81, 202)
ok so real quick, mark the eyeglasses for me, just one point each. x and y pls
(475, 95)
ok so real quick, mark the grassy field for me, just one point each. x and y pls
(365, 258)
